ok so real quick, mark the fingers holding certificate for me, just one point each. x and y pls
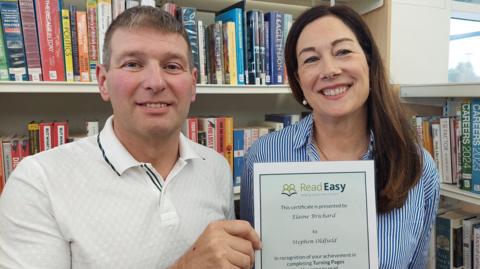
(316, 215)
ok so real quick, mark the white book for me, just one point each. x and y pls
(147, 3)
(104, 18)
(437, 148)
(118, 6)
(201, 53)
(468, 241)
(446, 150)
(132, 3)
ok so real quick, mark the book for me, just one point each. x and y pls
(13, 40)
(82, 38)
(449, 237)
(50, 39)
(92, 38)
(466, 146)
(30, 33)
(235, 15)
(67, 45)
(276, 47)
(446, 150)
(228, 141)
(238, 155)
(104, 18)
(3, 57)
(437, 146)
(34, 137)
(207, 125)
(45, 135)
(475, 125)
(188, 17)
(74, 36)
(190, 128)
(468, 241)
(202, 60)
(59, 133)
(118, 6)
(229, 53)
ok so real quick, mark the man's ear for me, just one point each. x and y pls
(194, 78)
(102, 82)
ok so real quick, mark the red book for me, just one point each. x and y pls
(60, 133)
(16, 152)
(190, 129)
(220, 135)
(24, 147)
(50, 37)
(45, 135)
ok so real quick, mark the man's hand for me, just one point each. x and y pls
(223, 244)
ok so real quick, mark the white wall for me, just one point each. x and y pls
(419, 41)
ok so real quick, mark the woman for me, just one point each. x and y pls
(335, 69)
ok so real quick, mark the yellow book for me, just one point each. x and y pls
(232, 52)
(228, 140)
(67, 44)
(83, 59)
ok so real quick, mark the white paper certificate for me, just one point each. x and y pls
(316, 215)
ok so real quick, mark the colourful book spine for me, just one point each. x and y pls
(188, 17)
(13, 38)
(59, 133)
(228, 141)
(202, 74)
(236, 15)
(34, 137)
(2, 175)
(67, 44)
(3, 57)
(238, 155)
(92, 38)
(49, 34)
(475, 117)
(82, 38)
(73, 30)
(104, 18)
(466, 146)
(30, 33)
(230, 59)
(45, 136)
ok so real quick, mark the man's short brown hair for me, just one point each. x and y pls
(145, 17)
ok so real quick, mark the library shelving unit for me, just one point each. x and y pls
(437, 95)
(22, 102)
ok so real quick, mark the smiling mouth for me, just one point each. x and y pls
(334, 91)
(153, 105)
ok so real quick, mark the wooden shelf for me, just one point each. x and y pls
(452, 191)
(90, 87)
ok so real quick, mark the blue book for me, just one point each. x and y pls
(188, 17)
(238, 155)
(236, 15)
(276, 46)
(13, 40)
(475, 110)
(286, 119)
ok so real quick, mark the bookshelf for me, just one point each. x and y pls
(438, 95)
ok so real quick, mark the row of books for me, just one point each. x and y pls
(456, 240)
(41, 136)
(218, 133)
(214, 132)
(454, 143)
(240, 47)
(43, 40)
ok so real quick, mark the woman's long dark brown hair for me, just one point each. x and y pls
(397, 154)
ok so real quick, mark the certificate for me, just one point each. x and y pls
(316, 215)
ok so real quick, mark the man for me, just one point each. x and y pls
(138, 195)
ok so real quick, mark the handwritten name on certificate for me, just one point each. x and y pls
(316, 215)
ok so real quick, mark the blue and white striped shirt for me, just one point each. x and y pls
(403, 234)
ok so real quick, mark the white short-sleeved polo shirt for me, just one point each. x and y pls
(90, 204)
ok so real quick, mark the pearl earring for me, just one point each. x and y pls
(304, 102)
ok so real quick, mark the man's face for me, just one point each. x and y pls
(149, 84)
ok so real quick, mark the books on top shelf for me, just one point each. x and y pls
(55, 41)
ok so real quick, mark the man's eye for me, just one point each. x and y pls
(172, 67)
(131, 65)
(343, 52)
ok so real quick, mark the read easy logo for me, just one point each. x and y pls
(289, 189)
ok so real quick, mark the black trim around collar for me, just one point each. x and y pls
(105, 156)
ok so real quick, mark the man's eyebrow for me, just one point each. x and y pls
(140, 54)
(334, 43)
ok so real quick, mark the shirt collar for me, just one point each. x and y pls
(304, 136)
(118, 157)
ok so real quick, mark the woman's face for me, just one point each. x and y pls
(332, 69)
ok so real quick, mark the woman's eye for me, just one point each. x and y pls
(310, 59)
(343, 52)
